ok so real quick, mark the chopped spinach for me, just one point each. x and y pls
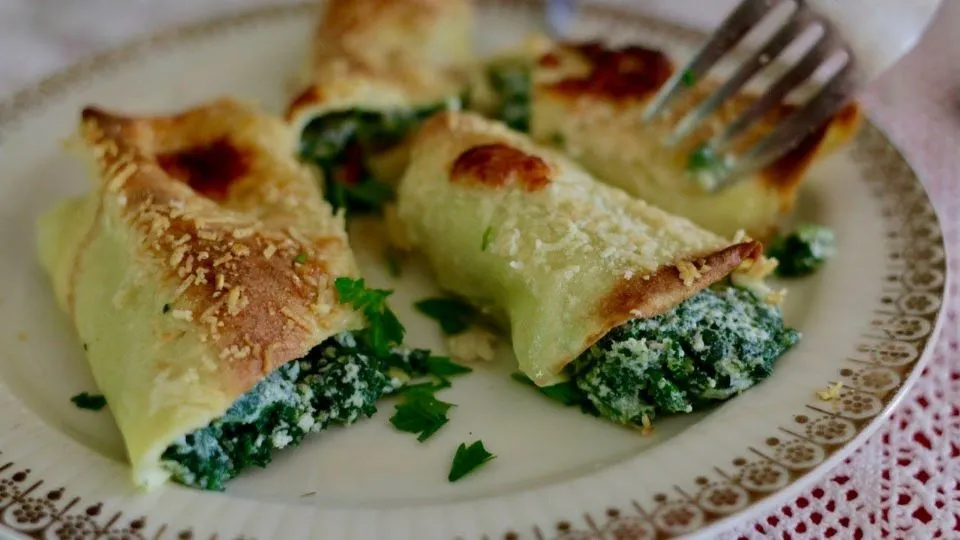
(468, 459)
(93, 402)
(803, 251)
(455, 316)
(340, 142)
(337, 383)
(709, 348)
(512, 83)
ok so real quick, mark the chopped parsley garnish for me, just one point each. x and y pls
(93, 402)
(339, 144)
(487, 238)
(455, 316)
(420, 413)
(166, 308)
(392, 259)
(803, 251)
(442, 366)
(301, 258)
(566, 392)
(383, 328)
(512, 83)
(468, 459)
(688, 78)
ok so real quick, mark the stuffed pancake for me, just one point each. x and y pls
(625, 300)
(203, 275)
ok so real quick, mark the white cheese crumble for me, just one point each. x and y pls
(474, 344)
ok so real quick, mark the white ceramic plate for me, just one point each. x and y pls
(868, 318)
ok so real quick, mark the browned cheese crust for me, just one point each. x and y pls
(212, 194)
(631, 76)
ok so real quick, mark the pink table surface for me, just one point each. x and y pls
(904, 482)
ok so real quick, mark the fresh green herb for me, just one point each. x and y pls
(420, 413)
(384, 329)
(392, 259)
(688, 78)
(468, 459)
(803, 251)
(487, 238)
(455, 316)
(512, 83)
(710, 348)
(93, 402)
(86, 347)
(301, 258)
(166, 308)
(566, 392)
(442, 366)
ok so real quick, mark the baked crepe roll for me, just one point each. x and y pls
(378, 68)
(575, 269)
(589, 100)
(199, 273)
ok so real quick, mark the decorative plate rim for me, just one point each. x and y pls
(802, 459)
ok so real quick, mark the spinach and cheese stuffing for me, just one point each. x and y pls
(337, 383)
(341, 144)
(710, 348)
(803, 251)
(511, 83)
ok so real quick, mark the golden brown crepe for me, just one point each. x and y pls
(554, 256)
(202, 259)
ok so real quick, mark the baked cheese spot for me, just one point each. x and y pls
(501, 166)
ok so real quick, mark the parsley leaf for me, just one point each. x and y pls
(420, 413)
(688, 78)
(468, 459)
(301, 258)
(384, 330)
(93, 402)
(442, 366)
(393, 262)
(567, 393)
(455, 316)
(487, 238)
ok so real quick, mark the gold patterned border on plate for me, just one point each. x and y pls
(874, 376)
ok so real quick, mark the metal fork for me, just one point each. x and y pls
(724, 167)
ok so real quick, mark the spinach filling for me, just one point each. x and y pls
(803, 251)
(512, 83)
(339, 143)
(337, 383)
(710, 348)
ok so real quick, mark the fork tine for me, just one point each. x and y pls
(828, 100)
(736, 25)
(793, 28)
(799, 73)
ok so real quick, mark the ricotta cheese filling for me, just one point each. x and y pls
(710, 348)
(337, 383)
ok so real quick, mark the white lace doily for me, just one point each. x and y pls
(905, 482)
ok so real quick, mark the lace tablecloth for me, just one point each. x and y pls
(905, 482)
